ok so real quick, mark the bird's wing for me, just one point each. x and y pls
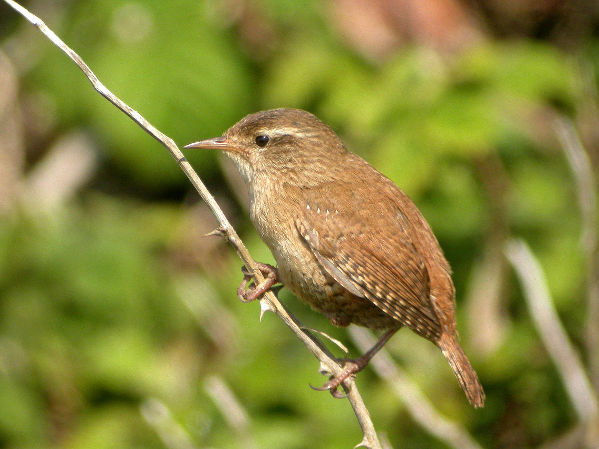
(370, 253)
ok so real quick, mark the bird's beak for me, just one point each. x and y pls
(217, 143)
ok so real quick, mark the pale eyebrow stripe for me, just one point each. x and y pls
(285, 132)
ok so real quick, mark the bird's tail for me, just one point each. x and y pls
(462, 369)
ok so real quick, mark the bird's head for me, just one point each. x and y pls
(279, 142)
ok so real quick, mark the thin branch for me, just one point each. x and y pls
(312, 343)
(587, 202)
(357, 403)
(485, 298)
(231, 409)
(554, 337)
(159, 417)
(421, 409)
(570, 439)
(72, 159)
(585, 184)
(12, 148)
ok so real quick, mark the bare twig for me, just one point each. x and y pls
(554, 337)
(216, 320)
(587, 201)
(570, 439)
(231, 409)
(421, 409)
(12, 152)
(486, 315)
(585, 184)
(485, 298)
(312, 343)
(172, 434)
(72, 160)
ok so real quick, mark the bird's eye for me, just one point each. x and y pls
(262, 140)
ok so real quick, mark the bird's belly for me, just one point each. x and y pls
(302, 274)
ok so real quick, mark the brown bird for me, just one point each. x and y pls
(346, 239)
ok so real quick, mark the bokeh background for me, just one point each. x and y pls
(119, 324)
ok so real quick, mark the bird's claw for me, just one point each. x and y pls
(271, 277)
(242, 292)
(350, 368)
(331, 388)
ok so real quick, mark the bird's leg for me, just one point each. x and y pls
(271, 277)
(354, 366)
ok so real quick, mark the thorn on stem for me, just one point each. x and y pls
(264, 307)
(220, 232)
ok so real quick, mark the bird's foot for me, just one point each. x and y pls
(350, 368)
(271, 277)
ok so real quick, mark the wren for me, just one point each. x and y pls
(346, 239)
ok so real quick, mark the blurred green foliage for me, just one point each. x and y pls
(115, 313)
